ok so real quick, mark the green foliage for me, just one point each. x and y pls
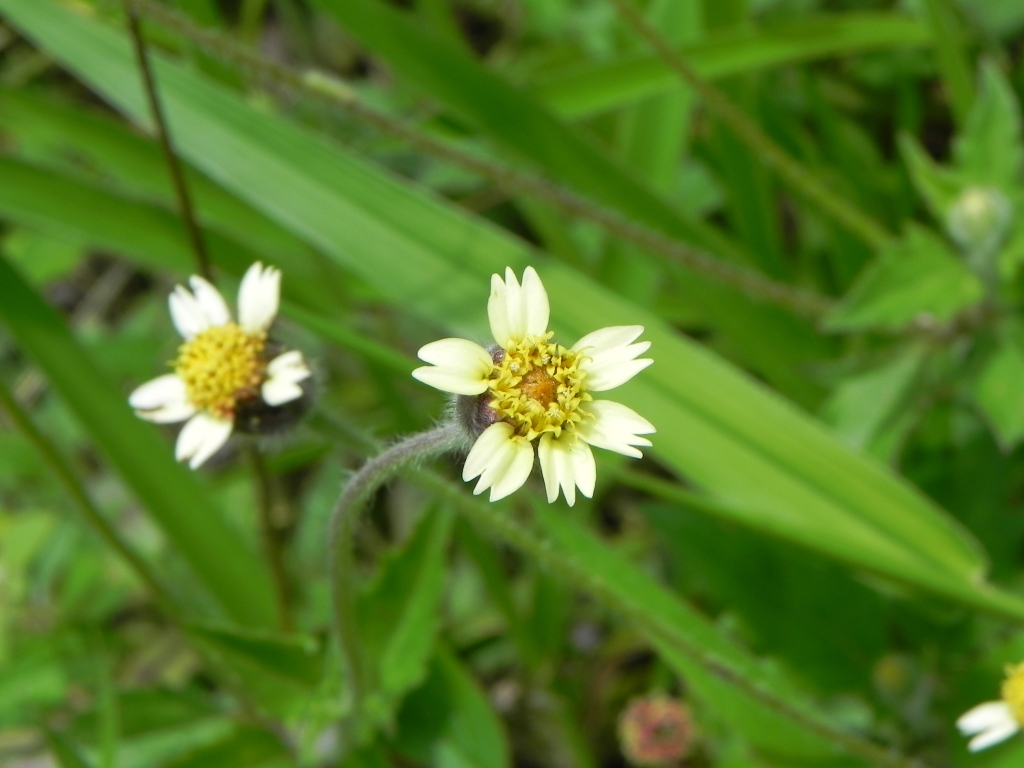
(918, 279)
(821, 551)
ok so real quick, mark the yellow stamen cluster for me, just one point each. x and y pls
(1013, 691)
(221, 366)
(537, 387)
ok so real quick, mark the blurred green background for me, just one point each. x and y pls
(815, 209)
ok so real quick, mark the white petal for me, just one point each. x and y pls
(161, 391)
(459, 366)
(615, 427)
(516, 472)
(535, 303)
(288, 367)
(202, 437)
(992, 736)
(611, 337)
(516, 311)
(259, 296)
(169, 414)
(984, 716)
(210, 301)
(497, 313)
(566, 463)
(490, 441)
(500, 459)
(280, 391)
(609, 356)
(290, 359)
(186, 313)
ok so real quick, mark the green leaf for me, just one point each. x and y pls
(728, 435)
(918, 278)
(449, 723)
(776, 592)
(64, 751)
(99, 150)
(940, 187)
(175, 498)
(42, 258)
(245, 748)
(281, 673)
(523, 128)
(399, 615)
(989, 151)
(297, 659)
(597, 87)
(862, 405)
(999, 392)
(771, 732)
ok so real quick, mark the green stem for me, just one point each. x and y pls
(341, 557)
(185, 207)
(789, 169)
(66, 477)
(336, 93)
(273, 548)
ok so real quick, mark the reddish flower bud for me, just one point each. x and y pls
(655, 731)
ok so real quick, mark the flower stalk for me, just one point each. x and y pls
(341, 556)
(273, 548)
(181, 193)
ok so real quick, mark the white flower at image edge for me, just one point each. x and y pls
(536, 391)
(995, 721)
(221, 365)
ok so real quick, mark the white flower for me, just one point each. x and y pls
(996, 721)
(222, 364)
(529, 389)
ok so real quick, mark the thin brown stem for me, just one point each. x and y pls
(185, 207)
(270, 534)
(332, 91)
(799, 178)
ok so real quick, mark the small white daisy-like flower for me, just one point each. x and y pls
(996, 721)
(529, 389)
(222, 366)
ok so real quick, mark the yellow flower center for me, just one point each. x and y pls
(537, 387)
(221, 366)
(1013, 691)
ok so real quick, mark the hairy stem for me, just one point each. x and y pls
(273, 548)
(66, 477)
(341, 557)
(336, 93)
(181, 192)
(789, 169)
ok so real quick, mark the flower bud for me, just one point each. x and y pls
(655, 731)
(979, 220)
